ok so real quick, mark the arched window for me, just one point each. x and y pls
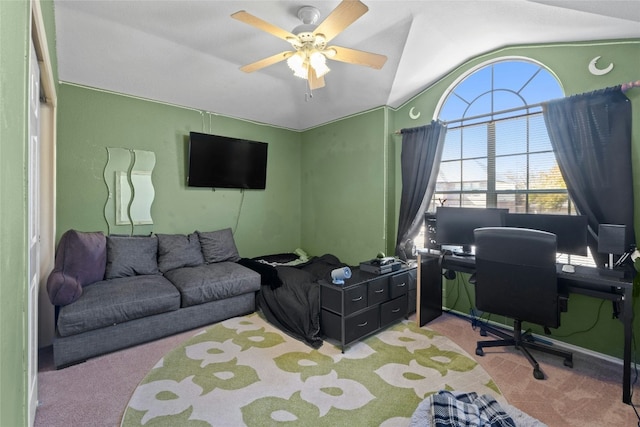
(497, 152)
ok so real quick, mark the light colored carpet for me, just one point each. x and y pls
(587, 395)
(95, 393)
(246, 372)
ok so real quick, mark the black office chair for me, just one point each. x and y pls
(516, 277)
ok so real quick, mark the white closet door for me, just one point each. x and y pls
(34, 234)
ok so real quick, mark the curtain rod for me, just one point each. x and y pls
(623, 87)
(479, 116)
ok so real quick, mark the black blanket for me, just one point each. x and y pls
(294, 304)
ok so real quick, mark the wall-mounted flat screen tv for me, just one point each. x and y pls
(225, 162)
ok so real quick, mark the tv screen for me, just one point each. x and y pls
(570, 230)
(225, 162)
(454, 226)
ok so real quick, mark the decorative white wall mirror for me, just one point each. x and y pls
(127, 175)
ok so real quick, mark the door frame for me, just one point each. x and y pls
(47, 184)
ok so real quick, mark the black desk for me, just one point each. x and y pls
(585, 281)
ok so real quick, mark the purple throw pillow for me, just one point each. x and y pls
(81, 259)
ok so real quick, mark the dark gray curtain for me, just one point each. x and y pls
(420, 161)
(591, 137)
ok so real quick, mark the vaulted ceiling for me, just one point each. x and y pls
(189, 52)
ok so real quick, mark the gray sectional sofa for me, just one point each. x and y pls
(113, 292)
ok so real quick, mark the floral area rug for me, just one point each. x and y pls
(244, 371)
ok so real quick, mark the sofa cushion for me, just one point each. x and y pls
(218, 246)
(178, 250)
(210, 282)
(116, 301)
(131, 256)
(80, 260)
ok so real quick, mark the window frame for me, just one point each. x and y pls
(490, 119)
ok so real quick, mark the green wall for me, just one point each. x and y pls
(588, 323)
(89, 121)
(14, 48)
(327, 188)
(344, 187)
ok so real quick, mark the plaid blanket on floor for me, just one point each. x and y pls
(467, 409)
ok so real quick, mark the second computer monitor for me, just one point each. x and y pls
(570, 230)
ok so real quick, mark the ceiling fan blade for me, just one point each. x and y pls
(359, 57)
(314, 82)
(340, 18)
(249, 68)
(254, 21)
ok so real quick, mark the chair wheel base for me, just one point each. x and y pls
(537, 374)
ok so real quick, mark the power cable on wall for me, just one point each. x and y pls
(239, 210)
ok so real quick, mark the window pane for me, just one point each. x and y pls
(516, 203)
(452, 145)
(453, 108)
(474, 141)
(511, 172)
(476, 84)
(543, 87)
(474, 174)
(473, 201)
(549, 203)
(448, 199)
(544, 172)
(511, 136)
(449, 176)
(479, 107)
(514, 75)
(505, 100)
(538, 136)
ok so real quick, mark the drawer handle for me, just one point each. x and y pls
(363, 324)
(379, 291)
(357, 299)
(400, 285)
(396, 310)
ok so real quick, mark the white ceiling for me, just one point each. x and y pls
(188, 53)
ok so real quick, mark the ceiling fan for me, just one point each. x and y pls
(309, 41)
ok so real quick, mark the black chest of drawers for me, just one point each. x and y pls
(366, 303)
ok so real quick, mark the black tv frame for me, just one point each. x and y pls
(217, 161)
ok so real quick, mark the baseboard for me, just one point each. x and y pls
(560, 344)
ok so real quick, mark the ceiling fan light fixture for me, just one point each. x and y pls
(297, 64)
(319, 63)
(308, 59)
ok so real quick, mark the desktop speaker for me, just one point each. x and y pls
(430, 239)
(612, 239)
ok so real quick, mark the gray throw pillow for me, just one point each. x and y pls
(131, 256)
(178, 250)
(218, 246)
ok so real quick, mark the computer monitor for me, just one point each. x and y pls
(454, 226)
(570, 230)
